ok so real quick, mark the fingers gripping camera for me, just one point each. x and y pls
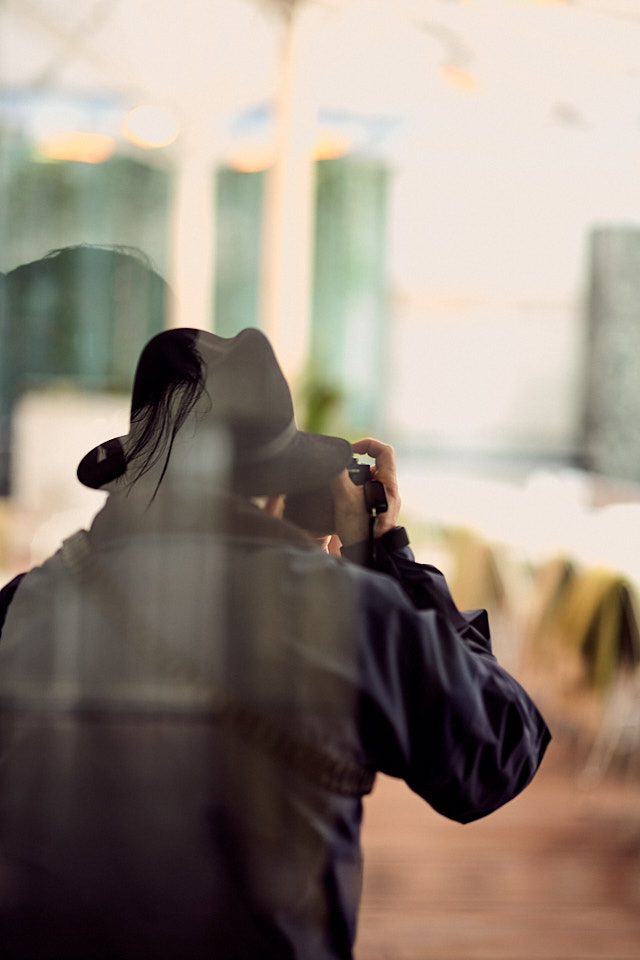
(375, 497)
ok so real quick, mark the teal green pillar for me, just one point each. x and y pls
(349, 313)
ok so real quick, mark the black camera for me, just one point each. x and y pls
(360, 473)
(313, 509)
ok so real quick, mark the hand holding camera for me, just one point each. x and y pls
(354, 503)
(358, 494)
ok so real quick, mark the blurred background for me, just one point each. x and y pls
(432, 208)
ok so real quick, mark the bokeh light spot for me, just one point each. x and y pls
(150, 127)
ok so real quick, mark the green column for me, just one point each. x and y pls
(238, 239)
(612, 406)
(349, 316)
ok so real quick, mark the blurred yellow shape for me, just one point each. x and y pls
(328, 146)
(460, 78)
(252, 158)
(77, 145)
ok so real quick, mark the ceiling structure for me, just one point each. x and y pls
(567, 62)
(484, 105)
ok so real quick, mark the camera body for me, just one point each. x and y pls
(313, 510)
(359, 473)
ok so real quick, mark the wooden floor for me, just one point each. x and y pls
(554, 875)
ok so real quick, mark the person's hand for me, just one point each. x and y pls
(352, 522)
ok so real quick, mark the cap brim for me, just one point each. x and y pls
(103, 464)
(308, 462)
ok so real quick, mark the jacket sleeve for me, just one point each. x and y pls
(424, 585)
(438, 710)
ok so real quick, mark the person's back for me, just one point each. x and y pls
(194, 700)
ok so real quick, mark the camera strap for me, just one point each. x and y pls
(372, 538)
(375, 498)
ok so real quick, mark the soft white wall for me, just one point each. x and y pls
(52, 431)
(497, 181)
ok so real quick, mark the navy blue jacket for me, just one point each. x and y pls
(139, 820)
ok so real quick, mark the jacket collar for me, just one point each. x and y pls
(127, 515)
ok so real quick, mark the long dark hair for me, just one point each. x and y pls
(169, 381)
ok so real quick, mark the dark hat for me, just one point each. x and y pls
(186, 376)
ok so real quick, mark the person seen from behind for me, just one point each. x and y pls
(195, 697)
